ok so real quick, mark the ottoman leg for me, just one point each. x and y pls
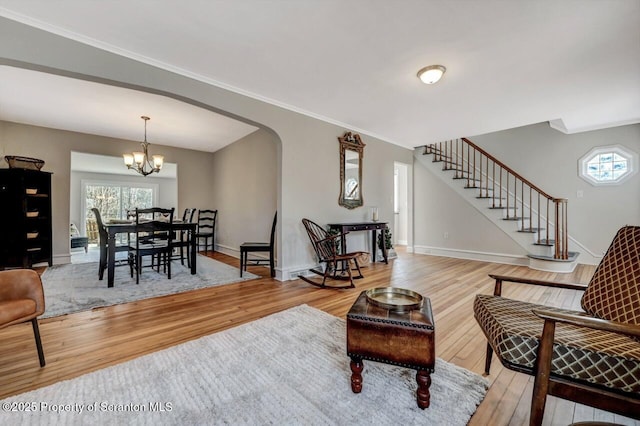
(423, 377)
(356, 374)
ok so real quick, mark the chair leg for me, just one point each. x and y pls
(102, 265)
(487, 360)
(246, 260)
(272, 264)
(355, 261)
(138, 267)
(326, 272)
(350, 274)
(36, 334)
(542, 371)
(168, 263)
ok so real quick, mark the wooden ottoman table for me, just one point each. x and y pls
(400, 337)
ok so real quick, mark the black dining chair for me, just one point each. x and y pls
(252, 247)
(182, 239)
(153, 238)
(103, 242)
(206, 228)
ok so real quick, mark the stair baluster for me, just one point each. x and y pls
(484, 172)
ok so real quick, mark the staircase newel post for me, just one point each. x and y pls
(539, 218)
(500, 193)
(486, 180)
(469, 151)
(457, 174)
(565, 230)
(522, 203)
(531, 211)
(547, 225)
(557, 230)
(493, 185)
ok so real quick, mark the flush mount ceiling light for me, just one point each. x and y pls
(142, 160)
(431, 74)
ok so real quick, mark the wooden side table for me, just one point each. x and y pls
(374, 227)
(405, 339)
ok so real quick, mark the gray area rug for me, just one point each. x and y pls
(288, 368)
(75, 287)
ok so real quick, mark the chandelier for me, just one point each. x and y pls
(139, 161)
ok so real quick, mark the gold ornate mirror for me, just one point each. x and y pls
(351, 152)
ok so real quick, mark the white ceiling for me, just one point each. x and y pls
(48, 100)
(94, 163)
(354, 62)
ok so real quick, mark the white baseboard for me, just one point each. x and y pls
(229, 251)
(551, 266)
(509, 259)
(293, 272)
(61, 259)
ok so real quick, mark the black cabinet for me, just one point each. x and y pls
(25, 218)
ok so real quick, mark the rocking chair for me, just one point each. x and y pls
(590, 357)
(336, 264)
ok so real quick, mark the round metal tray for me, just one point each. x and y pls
(395, 299)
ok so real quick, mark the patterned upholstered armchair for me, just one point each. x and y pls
(590, 357)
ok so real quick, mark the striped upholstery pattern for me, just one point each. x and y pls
(582, 354)
(614, 290)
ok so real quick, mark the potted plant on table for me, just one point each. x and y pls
(388, 241)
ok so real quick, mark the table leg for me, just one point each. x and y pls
(384, 245)
(374, 247)
(356, 374)
(423, 377)
(103, 260)
(193, 252)
(343, 249)
(111, 259)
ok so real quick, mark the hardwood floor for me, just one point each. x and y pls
(80, 343)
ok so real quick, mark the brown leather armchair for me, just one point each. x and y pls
(21, 300)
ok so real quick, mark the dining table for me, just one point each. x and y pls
(116, 227)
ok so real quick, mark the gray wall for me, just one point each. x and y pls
(439, 211)
(55, 146)
(549, 159)
(308, 176)
(245, 184)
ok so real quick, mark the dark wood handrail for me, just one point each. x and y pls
(510, 170)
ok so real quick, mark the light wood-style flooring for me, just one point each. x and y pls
(80, 343)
